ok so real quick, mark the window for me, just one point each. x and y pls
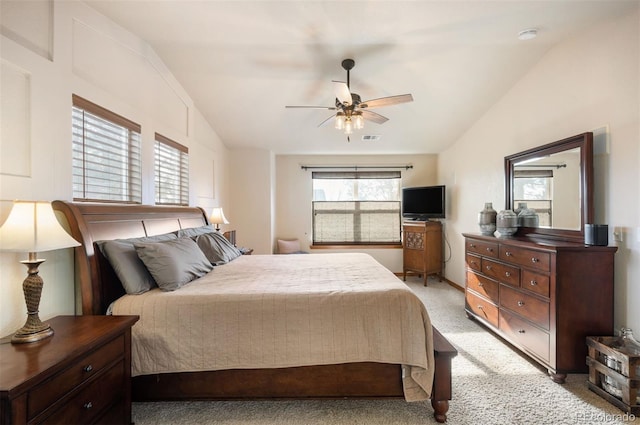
(172, 172)
(106, 155)
(356, 207)
(535, 188)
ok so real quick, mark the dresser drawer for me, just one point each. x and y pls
(501, 272)
(92, 401)
(483, 285)
(525, 334)
(488, 249)
(473, 262)
(482, 308)
(526, 257)
(48, 392)
(527, 306)
(534, 282)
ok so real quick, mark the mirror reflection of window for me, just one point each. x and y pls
(535, 188)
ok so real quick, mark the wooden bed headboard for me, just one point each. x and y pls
(91, 222)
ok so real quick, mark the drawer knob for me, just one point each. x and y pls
(507, 274)
(88, 405)
(489, 249)
(534, 260)
(88, 368)
(534, 283)
(520, 331)
(488, 267)
(480, 307)
(480, 284)
(508, 253)
(520, 303)
(472, 245)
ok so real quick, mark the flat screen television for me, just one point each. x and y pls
(423, 203)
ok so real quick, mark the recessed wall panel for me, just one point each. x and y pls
(29, 23)
(15, 121)
(105, 62)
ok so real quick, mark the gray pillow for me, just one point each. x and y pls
(124, 260)
(193, 232)
(173, 263)
(217, 248)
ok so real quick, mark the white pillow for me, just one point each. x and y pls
(288, 247)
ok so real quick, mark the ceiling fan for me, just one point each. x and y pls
(351, 110)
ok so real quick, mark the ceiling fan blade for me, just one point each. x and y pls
(387, 101)
(374, 117)
(329, 108)
(342, 92)
(328, 120)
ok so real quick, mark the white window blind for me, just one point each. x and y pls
(356, 207)
(171, 172)
(106, 155)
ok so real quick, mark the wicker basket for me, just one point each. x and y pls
(613, 373)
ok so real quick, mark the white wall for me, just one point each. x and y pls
(586, 83)
(294, 194)
(49, 51)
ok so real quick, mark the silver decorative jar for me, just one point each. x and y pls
(487, 219)
(527, 217)
(506, 223)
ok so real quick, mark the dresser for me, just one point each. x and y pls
(80, 375)
(543, 297)
(422, 248)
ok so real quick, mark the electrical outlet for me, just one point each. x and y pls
(618, 234)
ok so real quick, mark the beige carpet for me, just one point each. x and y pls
(492, 384)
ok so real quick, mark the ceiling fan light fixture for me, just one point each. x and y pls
(339, 125)
(348, 126)
(358, 121)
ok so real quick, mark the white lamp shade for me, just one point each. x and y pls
(33, 227)
(217, 216)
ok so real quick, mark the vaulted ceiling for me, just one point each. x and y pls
(243, 61)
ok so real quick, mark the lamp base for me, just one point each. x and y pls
(33, 329)
(29, 334)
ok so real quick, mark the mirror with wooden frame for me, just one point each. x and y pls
(556, 181)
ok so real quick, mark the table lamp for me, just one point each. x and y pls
(218, 218)
(32, 227)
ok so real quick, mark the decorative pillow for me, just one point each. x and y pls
(124, 260)
(173, 263)
(289, 247)
(194, 232)
(217, 248)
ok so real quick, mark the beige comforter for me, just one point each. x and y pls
(272, 311)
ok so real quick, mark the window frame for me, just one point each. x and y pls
(131, 178)
(357, 175)
(182, 177)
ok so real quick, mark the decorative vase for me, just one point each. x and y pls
(507, 223)
(527, 217)
(487, 219)
(521, 206)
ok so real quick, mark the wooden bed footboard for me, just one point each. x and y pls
(99, 286)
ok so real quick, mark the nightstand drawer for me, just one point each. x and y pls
(86, 405)
(54, 389)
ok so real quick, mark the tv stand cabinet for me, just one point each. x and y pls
(422, 248)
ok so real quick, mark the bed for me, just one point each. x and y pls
(335, 374)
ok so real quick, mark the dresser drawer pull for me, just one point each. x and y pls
(88, 405)
(521, 331)
(480, 284)
(88, 368)
(534, 283)
(488, 267)
(520, 303)
(535, 260)
(489, 249)
(472, 245)
(507, 274)
(480, 307)
(508, 253)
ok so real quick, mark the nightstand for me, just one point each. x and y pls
(82, 374)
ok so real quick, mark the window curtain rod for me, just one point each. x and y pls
(356, 167)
